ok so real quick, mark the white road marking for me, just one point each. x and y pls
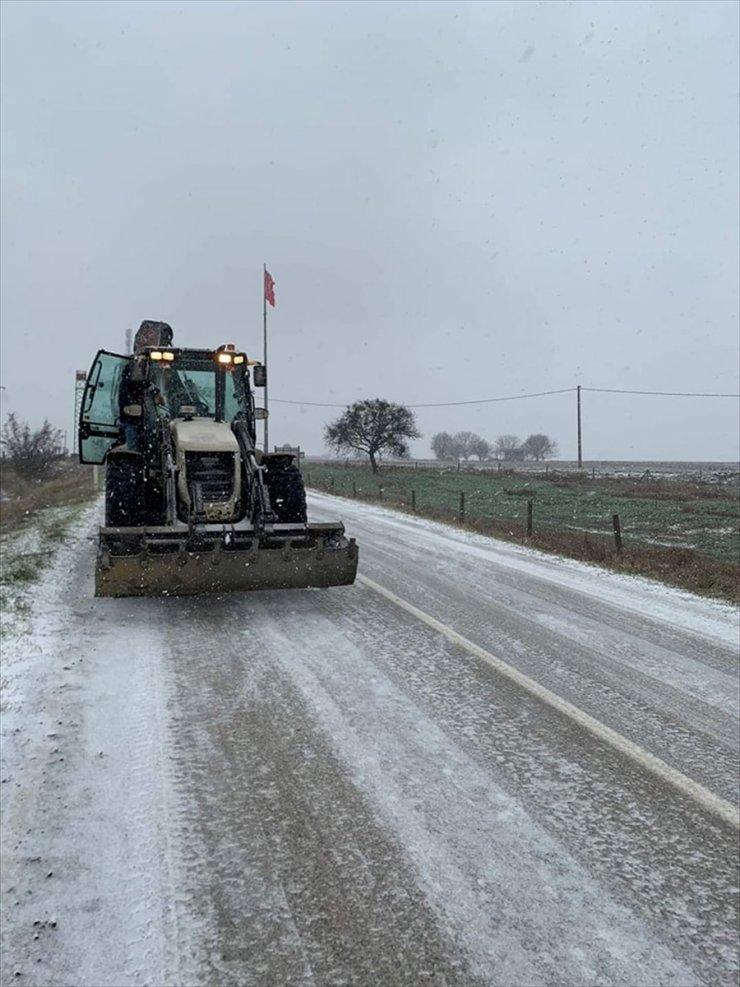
(703, 796)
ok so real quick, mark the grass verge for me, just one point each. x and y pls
(35, 517)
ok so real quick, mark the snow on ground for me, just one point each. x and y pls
(507, 890)
(99, 834)
(645, 597)
(79, 774)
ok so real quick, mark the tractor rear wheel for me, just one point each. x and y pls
(124, 491)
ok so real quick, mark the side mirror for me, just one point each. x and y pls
(259, 375)
(260, 414)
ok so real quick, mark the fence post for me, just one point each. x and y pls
(380, 493)
(462, 505)
(331, 483)
(413, 501)
(529, 517)
(354, 489)
(617, 534)
(308, 477)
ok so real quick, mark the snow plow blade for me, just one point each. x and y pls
(171, 562)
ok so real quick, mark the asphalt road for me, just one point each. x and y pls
(476, 766)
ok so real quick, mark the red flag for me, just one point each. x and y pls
(269, 288)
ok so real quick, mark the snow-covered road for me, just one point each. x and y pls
(479, 765)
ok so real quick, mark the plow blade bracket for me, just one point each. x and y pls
(171, 562)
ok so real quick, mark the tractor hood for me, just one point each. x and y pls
(208, 468)
(203, 435)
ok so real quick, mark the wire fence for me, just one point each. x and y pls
(681, 511)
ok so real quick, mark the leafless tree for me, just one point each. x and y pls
(462, 442)
(540, 446)
(461, 445)
(506, 444)
(443, 446)
(31, 453)
(480, 448)
(373, 427)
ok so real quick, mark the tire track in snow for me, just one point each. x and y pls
(524, 911)
(304, 885)
(644, 759)
(103, 813)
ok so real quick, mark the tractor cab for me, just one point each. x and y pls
(162, 383)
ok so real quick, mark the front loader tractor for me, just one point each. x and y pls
(192, 505)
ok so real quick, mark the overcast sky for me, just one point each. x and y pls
(457, 201)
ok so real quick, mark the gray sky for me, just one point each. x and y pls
(456, 200)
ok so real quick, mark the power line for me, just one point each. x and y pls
(537, 394)
(442, 404)
(666, 394)
(310, 404)
(515, 397)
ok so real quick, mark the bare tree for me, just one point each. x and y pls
(31, 453)
(507, 444)
(443, 445)
(463, 442)
(540, 447)
(461, 445)
(480, 448)
(373, 427)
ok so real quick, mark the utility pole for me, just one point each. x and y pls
(129, 339)
(580, 445)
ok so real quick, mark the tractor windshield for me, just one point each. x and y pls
(196, 381)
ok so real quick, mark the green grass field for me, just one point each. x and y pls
(668, 525)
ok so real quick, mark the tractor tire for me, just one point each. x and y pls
(287, 493)
(124, 491)
(155, 512)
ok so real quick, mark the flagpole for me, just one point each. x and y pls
(264, 329)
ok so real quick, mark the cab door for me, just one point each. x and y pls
(99, 425)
